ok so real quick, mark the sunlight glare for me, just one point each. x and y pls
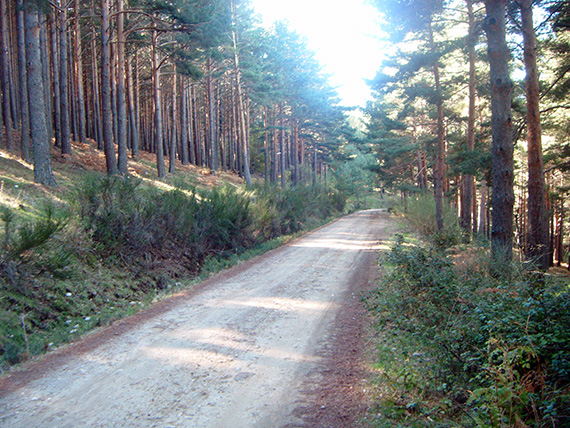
(344, 35)
(278, 303)
(342, 244)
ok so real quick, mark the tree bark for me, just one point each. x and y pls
(296, 154)
(55, 79)
(558, 233)
(439, 173)
(79, 76)
(158, 137)
(502, 146)
(23, 88)
(173, 127)
(241, 111)
(282, 167)
(38, 128)
(44, 44)
(64, 84)
(184, 155)
(315, 163)
(212, 137)
(483, 210)
(265, 146)
(191, 126)
(468, 185)
(134, 126)
(137, 103)
(113, 79)
(5, 76)
(537, 250)
(195, 140)
(107, 116)
(274, 165)
(121, 99)
(95, 88)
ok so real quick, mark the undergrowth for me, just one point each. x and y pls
(460, 348)
(118, 244)
(419, 211)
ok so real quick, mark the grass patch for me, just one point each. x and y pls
(419, 211)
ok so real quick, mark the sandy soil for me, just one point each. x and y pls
(274, 342)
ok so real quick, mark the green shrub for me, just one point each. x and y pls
(282, 212)
(28, 248)
(61, 275)
(493, 352)
(223, 221)
(34, 258)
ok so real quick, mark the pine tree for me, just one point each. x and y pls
(107, 114)
(417, 17)
(38, 127)
(502, 147)
(538, 236)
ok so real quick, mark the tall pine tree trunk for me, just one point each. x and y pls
(184, 155)
(38, 128)
(137, 103)
(72, 91)
(96, 106)
(559, 238)
(23, 88)
(483, 224)
(158, 137)
(502, 146)
(44, 44)
(265, 146)
(113, 69)
(282, 167)
(107, 115)
(241, 110)
(468, 181)
(135, 136)
(191, 126)
(173, 126)
(80, 91)
(274, 165)
(296, 154)
(537, 250)
(64, 85)
(5, 76)
(194, 127)
(439, 173)
(55, 79)
(212, 137)
(315, 163)
(121, 99)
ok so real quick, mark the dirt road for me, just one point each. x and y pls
(248, 348)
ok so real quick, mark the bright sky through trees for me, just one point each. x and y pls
(344, 35)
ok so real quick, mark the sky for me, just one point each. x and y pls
(344, 35)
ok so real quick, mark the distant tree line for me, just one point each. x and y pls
(198, 81)
(448, 117)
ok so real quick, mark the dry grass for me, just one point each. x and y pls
(18, 189)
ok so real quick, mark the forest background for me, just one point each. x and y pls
(201, 86)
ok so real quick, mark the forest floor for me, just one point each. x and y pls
(278, 341)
